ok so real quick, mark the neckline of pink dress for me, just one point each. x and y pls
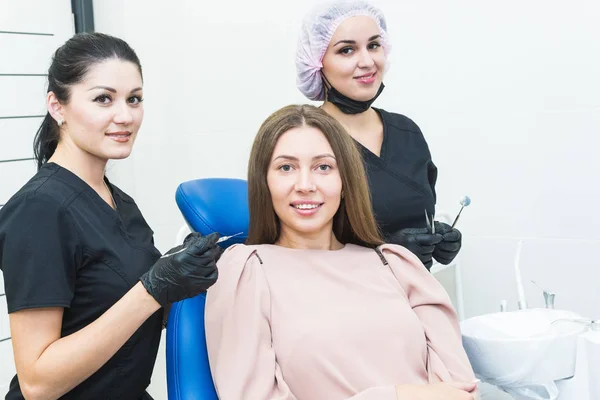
(346, 247)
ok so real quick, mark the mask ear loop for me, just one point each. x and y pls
(326, 84)
(324, 78)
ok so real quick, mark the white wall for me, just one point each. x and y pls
(507, 94)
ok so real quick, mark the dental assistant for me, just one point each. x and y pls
(341, 60)
(84, 282)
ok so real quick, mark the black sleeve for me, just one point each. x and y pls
(38, 253)
(432, 174)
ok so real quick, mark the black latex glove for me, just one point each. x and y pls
(419, 241)
(184, 271)
(448, 248)
(220, 252)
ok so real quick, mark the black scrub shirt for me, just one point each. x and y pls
(62, 245)
(402, 179)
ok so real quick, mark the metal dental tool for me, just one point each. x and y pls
(224, 238)
(430, 226)
(221, 239)
(464, 202)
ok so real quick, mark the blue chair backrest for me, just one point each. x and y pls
(208, 205)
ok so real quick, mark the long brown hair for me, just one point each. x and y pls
(353, 222)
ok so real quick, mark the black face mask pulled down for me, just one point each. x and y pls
(345, 103)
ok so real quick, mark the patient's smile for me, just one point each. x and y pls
(306, 209)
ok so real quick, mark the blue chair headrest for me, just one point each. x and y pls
(215, 205)
(208, 205)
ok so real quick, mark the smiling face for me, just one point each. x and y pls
(354, 61)
(104, 112)
(305, 184)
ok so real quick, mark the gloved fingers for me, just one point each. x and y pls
(421, 247)
(444, 257)
(422, 244)
(192, 237)
(451, 247)
(421, 250)
(426, 251)
(202, 244)
(428, 239)
(212, 238)
(423, 253)
(203, 276)
(419, 242)
(414, 231)
(209, 255)
(446, 251)
(442, 227)
(452, 236)
(207, 273)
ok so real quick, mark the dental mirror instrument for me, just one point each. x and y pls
(464, 202)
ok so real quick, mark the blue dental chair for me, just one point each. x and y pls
(208, 205)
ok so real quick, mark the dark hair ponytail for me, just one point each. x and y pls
(70, 64)
(45, 140)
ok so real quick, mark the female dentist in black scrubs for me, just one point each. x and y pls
(84, 282)
(341, 59)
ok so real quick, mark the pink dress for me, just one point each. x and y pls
(326, 325)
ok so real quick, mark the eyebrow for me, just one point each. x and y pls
(292, 158)
(114, 90)
(354, 41)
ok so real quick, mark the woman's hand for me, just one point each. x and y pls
(184, 271)
(437, 391)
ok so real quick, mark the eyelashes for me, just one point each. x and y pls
(106, 99)
(349, 49)
(102, 99)
(320, 167)
(135, 100)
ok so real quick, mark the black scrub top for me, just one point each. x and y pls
(62, 245)
(402, 179)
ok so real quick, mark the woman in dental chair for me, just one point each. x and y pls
(315, 305)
